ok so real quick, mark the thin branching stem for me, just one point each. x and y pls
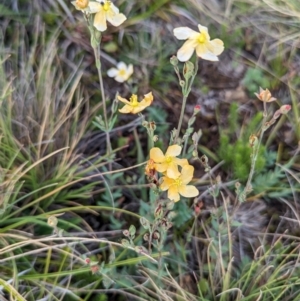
(255, 153)
(97, 54)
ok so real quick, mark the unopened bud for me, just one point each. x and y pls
(197, 108)
(156, 235)
(158, 212)
(126, 233)
(152, 125)
(174, 60)
(155, 138)
(144, 222)
(253, 140)
(284, 109)
(125, 243)
(52, 221)
(81, 4)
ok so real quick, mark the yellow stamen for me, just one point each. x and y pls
(134, 101)
(168, 159)
(106, 5)
(178, 182)
(202, 38)
(122, 72)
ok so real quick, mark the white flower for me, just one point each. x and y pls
(200, 41)
(104, 11)
(121, 73)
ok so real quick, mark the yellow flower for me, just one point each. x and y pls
(133, 106)
(265, 95)
(200, 41)
(178, 186)
(104, 10)
(81, 4)
(168, 163)
(121, 73)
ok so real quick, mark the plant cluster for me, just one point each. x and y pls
(48, 249)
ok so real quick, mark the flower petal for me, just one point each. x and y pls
(94, 7)
(181, 162)
(209, 57)
(126, 109)
(115, 19)
(161, 167)
(216, 46)
(148, 98)
(124, 100)
(204, 30)
(173, 150)
(121, 66)
(120, 78)
(188, 191)
(172, 171)
(113, 8)
(138, 109)
(157, 155)
(183, 33)
(165, 185)
(112, 72)
(186, 51)
(130, 70)
(187, 173)
(173, 194)
(146, 102)
(100, 21)
(203, 52)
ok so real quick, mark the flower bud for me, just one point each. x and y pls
(144, 222)
(253, 140)
(132, 230)
(158, 212)
(52, 221)
(81, 4)
(125, 243)
(155, 138)
(284, 109)
(126, 233)
(188, 67)
(174, 60)
(197, 108)
(156, 235)
(94, 269)
(152, 125)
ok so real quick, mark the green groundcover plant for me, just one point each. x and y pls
(159, 237)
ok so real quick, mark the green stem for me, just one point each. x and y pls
(255, 153)
(181, 118)
(186, 89)
(98, 66)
